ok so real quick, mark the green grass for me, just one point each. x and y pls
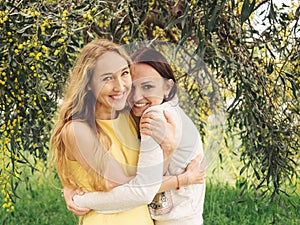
(224, 206)
(41, 204)
(44, 205)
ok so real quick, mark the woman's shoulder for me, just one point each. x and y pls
(77, 136)
(75, 129)
(74, 125)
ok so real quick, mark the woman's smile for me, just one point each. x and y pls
(118, 96)
(139, 105)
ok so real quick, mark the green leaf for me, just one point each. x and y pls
(24, 29)
(247, 9)
(272, 13)
(213, 19)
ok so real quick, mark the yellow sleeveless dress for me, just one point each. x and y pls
(125, 153)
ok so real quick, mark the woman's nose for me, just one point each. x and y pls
(137, 94)
(119, 85)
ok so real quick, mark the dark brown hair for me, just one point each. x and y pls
(158, 62)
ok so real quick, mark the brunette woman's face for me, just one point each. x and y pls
(148, 88)
(110, 83)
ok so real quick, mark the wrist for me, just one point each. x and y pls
(178, 183)
(183, 179)
(168, 148)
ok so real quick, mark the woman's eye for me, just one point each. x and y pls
(126, 72)
(108, 78)
(147, 87)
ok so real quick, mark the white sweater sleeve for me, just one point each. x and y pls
(139, 191)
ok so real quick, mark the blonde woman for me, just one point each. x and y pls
(88, 140)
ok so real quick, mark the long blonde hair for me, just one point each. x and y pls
(79, 104)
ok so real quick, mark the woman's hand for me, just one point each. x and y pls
(196, 170)
(162, 131)
(71, 206)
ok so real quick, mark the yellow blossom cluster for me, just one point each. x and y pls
(3, 16)
(8, 172)
(126, 36)
(89, 14)
(160, 33)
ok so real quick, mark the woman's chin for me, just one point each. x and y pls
(137, 112)
(118, 106)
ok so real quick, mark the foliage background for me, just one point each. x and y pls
(257, 72)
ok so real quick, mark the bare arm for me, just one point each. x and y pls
(83, 146)
(195, 174)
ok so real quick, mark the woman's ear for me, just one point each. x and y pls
(169, 85)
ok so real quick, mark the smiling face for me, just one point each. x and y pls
(110, 84)
(148, 88)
